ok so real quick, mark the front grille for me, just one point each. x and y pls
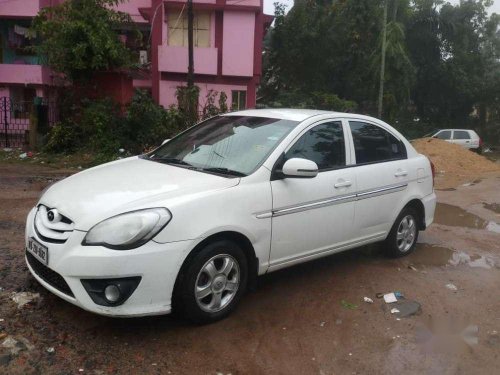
(49, 276)
(57, 229)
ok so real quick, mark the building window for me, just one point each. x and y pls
(21, 101)
(239, 100)
(178, 29)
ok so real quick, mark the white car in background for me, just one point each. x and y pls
(189, 226)
(463, 137)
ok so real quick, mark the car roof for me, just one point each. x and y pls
(467, 130)
(281, 113)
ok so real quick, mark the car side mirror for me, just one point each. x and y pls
(300, 168)
(165, 141)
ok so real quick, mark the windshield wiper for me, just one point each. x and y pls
(224, 171)
(172, 161)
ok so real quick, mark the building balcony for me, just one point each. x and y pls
(25, 74)
(19, 9)
(175, 60)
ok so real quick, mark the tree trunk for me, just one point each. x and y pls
(382, 65)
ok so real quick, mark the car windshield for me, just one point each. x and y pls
(229, 145)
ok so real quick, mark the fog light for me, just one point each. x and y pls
(112, 293)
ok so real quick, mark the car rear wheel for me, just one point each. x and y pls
(403, 236)
(212, 284)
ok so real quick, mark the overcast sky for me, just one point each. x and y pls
(269, 7)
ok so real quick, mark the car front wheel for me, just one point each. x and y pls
(213, 283)
(403, 236)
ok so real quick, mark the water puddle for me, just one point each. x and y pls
(493, 227)
(454, 216)
(474, 260)
(447, 214)
(429, 255)
(438, 256)
(495, 207)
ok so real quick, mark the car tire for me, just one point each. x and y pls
(212, 283)
(403, 236)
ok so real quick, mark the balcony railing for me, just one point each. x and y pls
(19, 8)
(175, 60)
(25, 74)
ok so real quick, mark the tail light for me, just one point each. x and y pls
(480, 142)
(433, 169)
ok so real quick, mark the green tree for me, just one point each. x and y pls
(399, 70)
(321, 47)
(79, 38)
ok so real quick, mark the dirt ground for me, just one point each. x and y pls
(309, 319)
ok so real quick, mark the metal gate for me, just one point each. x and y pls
(15, 117)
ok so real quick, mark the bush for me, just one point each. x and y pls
(187, 100)
(63, 138)
(147, 124)
(93, 127)
(101, 128)
(100, 123)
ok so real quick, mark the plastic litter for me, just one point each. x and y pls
(23, 298)
(452, 287)
(15, 346)
(50, 350)
(24, 155)
(10, 343)
(470, 335)
(392, 297)
(367, 300)
(405, 308)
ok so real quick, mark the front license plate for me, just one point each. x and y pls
(38, 250)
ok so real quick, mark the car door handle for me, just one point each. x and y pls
(342, 184)
(401, 174)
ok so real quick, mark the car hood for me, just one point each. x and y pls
(125, 185)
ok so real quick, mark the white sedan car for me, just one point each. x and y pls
(190, 226)
(463, 137)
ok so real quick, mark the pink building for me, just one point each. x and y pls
(228, 38)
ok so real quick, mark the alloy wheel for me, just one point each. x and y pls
(217, 283)
(406, 233)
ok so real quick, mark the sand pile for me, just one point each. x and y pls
(453, 161)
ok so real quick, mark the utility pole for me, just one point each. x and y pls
(382, 65)
(190, 76)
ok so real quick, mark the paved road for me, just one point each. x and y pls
(296, 322)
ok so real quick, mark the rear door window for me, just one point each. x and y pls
(373, 144)
(445, 134)
(461, 134)
(324, 144)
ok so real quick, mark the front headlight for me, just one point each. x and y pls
(128, 230)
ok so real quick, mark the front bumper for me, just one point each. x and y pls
(156, 264)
